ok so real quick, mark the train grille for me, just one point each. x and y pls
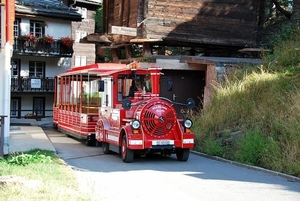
(159, 121)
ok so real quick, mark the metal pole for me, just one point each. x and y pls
(2, 135)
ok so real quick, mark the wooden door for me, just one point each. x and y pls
(186, 84)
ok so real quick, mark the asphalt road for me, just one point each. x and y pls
(164, 178)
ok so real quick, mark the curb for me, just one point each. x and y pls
(271, 172)
(23, 124)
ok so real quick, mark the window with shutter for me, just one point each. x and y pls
(37, 28)
(36, 69)
(82, 11)
(80, 61)
(80, 35)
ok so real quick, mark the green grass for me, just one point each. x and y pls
(264, 103)
(56, 181)
(265, 106)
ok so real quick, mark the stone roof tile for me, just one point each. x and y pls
(49, 8)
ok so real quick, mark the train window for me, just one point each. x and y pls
(90, 93)
(120, 89)
(143, 83)
(147, 83)
(170, 85)
(127, 86)
(100, 85)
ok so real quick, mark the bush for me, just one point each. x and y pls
(27, 158)
(286, 47)
(213, 147)
(251, 148)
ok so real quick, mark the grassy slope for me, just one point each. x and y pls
(264, 103)
(266, 107)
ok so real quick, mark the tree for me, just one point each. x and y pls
(98, 17)
(296, 11)
(289, 8)
(281, 9)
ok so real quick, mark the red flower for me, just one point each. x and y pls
(67, 41)
(29, 38)
(46, 39)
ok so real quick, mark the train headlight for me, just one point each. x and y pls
(188, 123)
(136, 124)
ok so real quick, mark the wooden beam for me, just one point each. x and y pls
(115, 46)
(128, 51)
(146, 49)
(121, 17)
(142, 40)
(128, 31)
(254, 50)
(114, 55)
(98, 38)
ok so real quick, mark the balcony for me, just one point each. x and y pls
(38, 48)
(26, 84)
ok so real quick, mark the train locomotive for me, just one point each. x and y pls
(119, 107)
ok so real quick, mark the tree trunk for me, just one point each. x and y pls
(282, 10)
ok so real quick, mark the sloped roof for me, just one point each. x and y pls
(95, 2)
(49, 8)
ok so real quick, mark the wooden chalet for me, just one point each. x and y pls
(213, 28)
(207, 24)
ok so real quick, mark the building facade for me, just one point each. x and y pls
(43, 47)
(84, 53)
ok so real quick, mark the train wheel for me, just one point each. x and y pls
(90, 140)
(127, 154)
(55, 126)
(105, 147)
(183, 154)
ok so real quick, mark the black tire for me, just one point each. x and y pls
(98, 144)
(183, 154)
(55, 126)
(90, 140)
(127, 154)
(105, 147)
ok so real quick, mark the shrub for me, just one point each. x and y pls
(213, 147)
(27, 158)
(286, 47)
(251, 147)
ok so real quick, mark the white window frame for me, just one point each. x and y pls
(82, 11)
(14, 107)
(80, 61)
(15, 65)
(38, 105)
(36, 28)
(35, 72)
(2, 24)
(80, 35)
(16, 28)
(16, 31)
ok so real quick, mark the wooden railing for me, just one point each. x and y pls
(26, 84)
(57, 49)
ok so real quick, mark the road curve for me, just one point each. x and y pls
(107, 178)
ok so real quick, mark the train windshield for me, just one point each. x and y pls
(128, 85)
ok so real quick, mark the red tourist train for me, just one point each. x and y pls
(119, 106)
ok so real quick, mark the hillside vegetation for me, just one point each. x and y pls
(254, 115)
